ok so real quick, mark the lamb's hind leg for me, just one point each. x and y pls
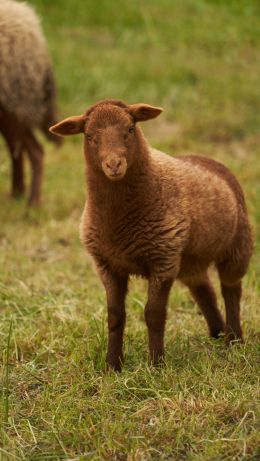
(231, 271)
(204, 294)
(232, 295)
(230, 275)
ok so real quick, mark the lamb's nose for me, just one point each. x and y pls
(113, 165)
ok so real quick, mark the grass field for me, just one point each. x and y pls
(200, 60)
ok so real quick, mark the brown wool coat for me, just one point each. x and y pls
(172, 217)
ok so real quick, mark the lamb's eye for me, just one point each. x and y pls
(131, 129)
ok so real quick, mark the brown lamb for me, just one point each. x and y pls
(160, 217)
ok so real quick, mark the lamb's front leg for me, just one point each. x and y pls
(155, 316)
(116, 288)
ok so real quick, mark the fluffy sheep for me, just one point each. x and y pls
(159, 217)
(27, 92)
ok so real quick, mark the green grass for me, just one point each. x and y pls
(200, 61)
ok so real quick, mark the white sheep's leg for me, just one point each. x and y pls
(35, 153)
(11, 131)
(116, 289)
(16, 153)
(155, 316)
(17, 171)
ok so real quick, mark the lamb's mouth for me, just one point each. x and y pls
(115, 176)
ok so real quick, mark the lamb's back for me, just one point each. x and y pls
(206, 193)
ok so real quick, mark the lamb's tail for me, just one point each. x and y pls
(50, 98)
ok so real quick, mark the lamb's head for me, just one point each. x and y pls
(111, 135)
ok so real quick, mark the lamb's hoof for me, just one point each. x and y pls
(217, 334)
(157, 363)
(233, 338)
(217, 331)
(114, 366)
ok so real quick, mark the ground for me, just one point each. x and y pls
(200, 61)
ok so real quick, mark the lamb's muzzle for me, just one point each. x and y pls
(114, 167)
(167, 218)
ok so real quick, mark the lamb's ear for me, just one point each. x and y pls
(141, 112)
(69, 126)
